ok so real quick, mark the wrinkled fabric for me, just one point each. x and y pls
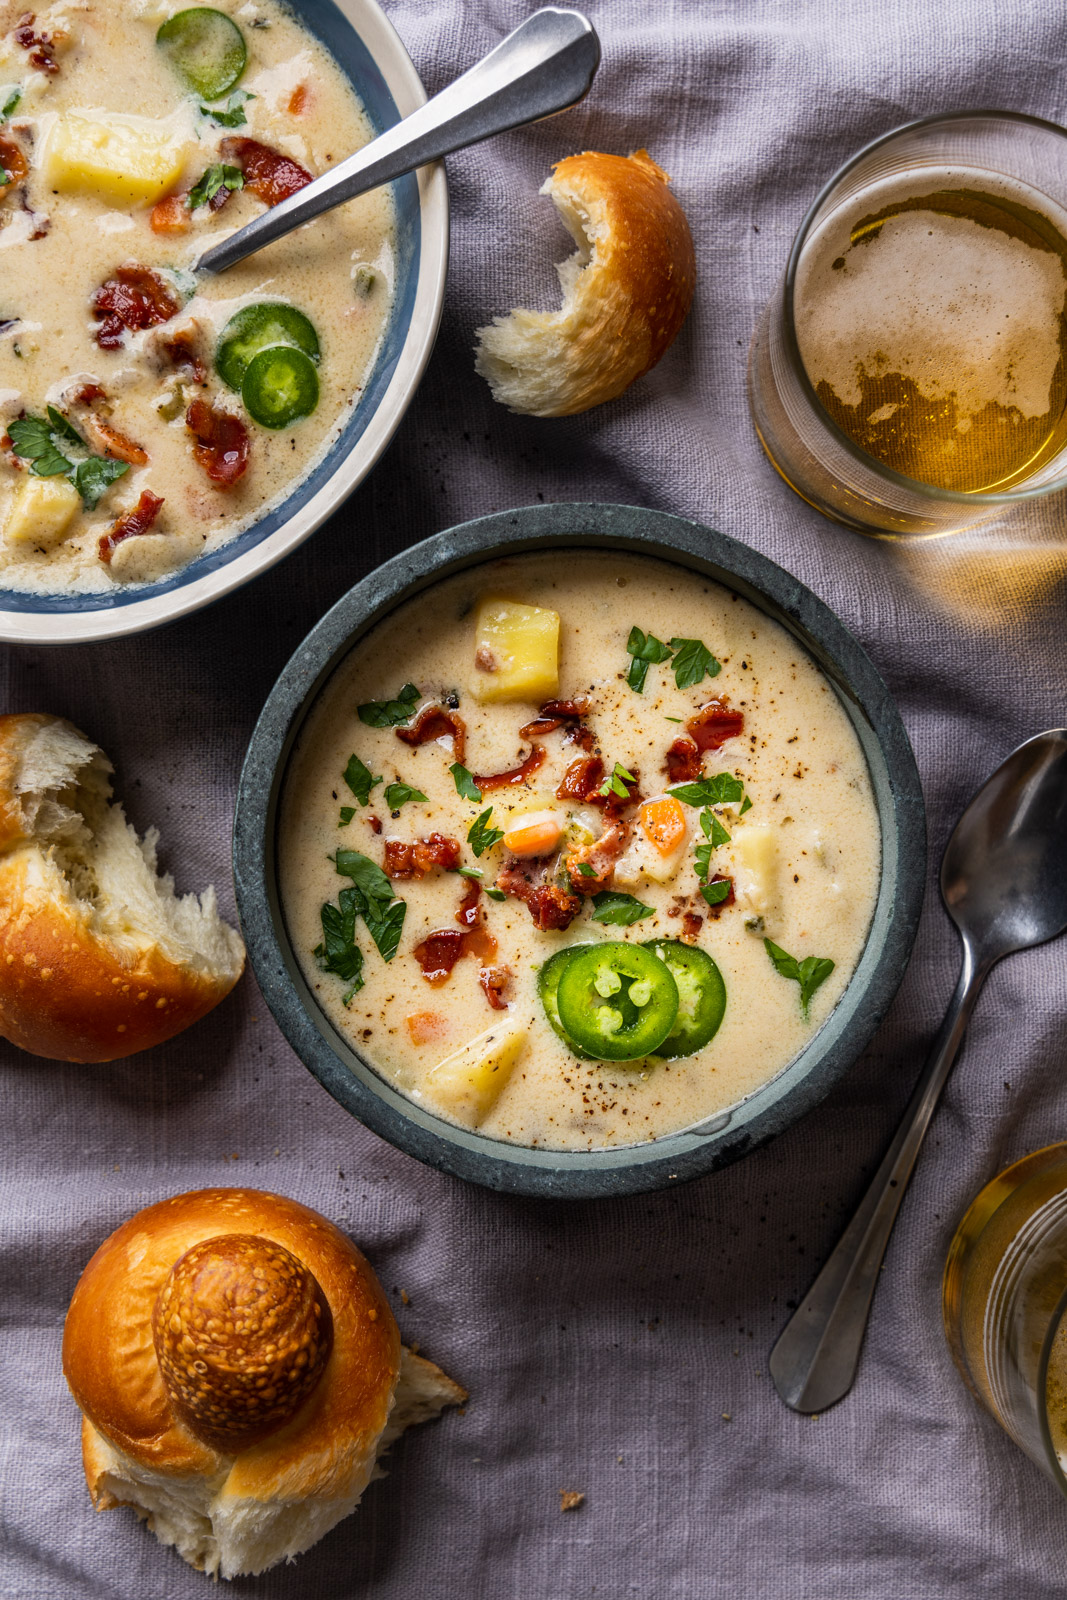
(616, 1348)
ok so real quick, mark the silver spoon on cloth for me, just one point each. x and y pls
(544, 66)
(1004, 884)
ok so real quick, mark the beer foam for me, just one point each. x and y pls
(959, 308)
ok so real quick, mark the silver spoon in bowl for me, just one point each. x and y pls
(1004, 884)
(544, 66)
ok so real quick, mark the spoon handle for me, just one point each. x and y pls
(814, 1362)
(545, 65)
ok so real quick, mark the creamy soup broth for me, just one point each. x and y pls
(802, 769)
(58, 248)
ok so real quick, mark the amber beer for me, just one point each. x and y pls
(930, 319)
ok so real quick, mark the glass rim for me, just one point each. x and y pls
(1052, 1455)
(888, 474)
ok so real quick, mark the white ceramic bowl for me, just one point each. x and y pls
(369, 50)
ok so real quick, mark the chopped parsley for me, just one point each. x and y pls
(232, 114)
(347, 813)
(714, 893)
(714, 836)
(339, 953)
(466, 787)
(621, 910)
(12, 95)
(360, 779)
(586, 870)
(390, 713)
(481, 836)
(377, 905)
(616, 784)
(722, 789)
(92, 477)
(35, 439)
(643, 649)
(692, 663)
(810, 973)
(398, 794)
(215, 178)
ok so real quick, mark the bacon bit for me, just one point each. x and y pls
(469, 914)
(714, 724)
(436, 722)
(717, 910)
(550, 906)
(552, 715)
(41, 46)
(222, 445)
(691, 925)
(614, 803)
(416, 860)
(374, 824)
(14, 164)
(581, 779)
(495, 980)
(88, 394)
(425, 1026)
(519, 774)
(440, 950)
(134, 522)
(181, 351)
(683, 763)
(601, 855)
(298, 100)
(271, 176)
(113, 443)
(136, 297)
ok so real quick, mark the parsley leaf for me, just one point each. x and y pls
(31, 438)
(643, 648)
(723, 789)
(91, 478)
(496, 894)
(338, 952)
(619, 909)
(746, 805)
(616, 784)
(471, 872)
(390, 713)
(692, 663)
(586, 870)
(360, 779)
(717, 891)
(12, 95)
(466, 787)
(386, 927)
(232, 114)
(810, 973)
(480, 835)
(398, 794)
(347, 813)
(380, 909)
(215, 178)
(64, 428)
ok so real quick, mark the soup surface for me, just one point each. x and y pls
(171, 428)
(689, 777)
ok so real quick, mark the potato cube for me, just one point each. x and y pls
(516, 652)
(124, 160)
(42, 511)
(468, 1083)
(754, 848)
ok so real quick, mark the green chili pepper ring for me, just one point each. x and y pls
(261, 327)
(206, 48)
(701, 997)
(617, 1001)
(548, 986)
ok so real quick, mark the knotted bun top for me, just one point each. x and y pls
(230, 1325)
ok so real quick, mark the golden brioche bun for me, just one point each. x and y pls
(236, 1363)
(625, 292)
(98, 957)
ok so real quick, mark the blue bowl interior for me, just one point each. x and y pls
(695, 1150)
(333, 29)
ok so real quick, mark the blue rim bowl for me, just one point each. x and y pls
(369, 51)
(518, 1169)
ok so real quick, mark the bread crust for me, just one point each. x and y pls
(109, 1357)
(67, 991)
(621, 311)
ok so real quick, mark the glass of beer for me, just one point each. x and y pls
(910, 376)
(1004, 1299)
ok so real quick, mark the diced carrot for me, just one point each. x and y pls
(425, 1026)
(536, 835)
(663, 824)
(170, 215)
(298, 100)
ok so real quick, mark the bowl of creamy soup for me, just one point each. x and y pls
(164, 435)
(579, 850)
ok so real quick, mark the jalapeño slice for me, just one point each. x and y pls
(206, 48)
(548, 987)
(261, 327)
(617, 1001)
(280, 386)
(701, 997)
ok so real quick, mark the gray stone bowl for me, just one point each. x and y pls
(514, 1168)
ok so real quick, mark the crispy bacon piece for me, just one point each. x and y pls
(683, 762)
(136, 297)
(182, 353)
(601, 855)
(469, 914)
(416, 860)
(271, 176)
(519, 774)
(222, 443)
(613, 803)
(691, 925)
(139, 520)
(714, 724)
(440, 950)
(495, 980)
(717, 910)
(114, 443)
(436, 722)
(41, 46)
(14, 164)
(550, 906)
(374, 824)
(552, 715)
(88, 394)
(581, 779)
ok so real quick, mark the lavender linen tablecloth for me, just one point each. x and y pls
(618, 1349)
